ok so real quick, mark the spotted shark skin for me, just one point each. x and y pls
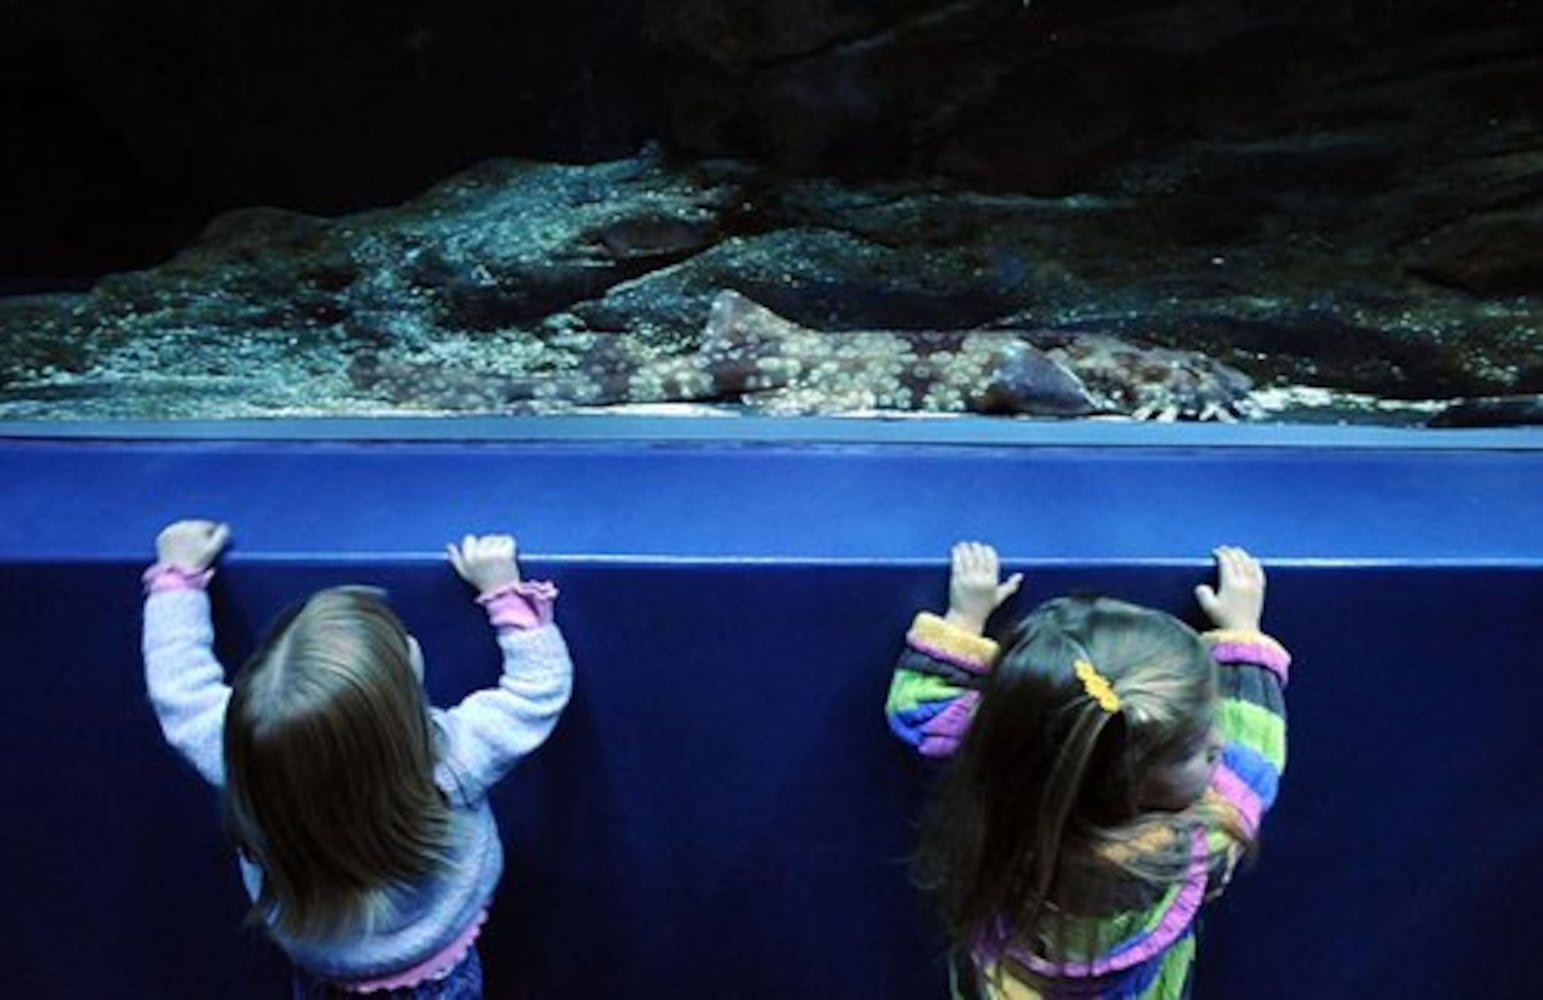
(753, 357)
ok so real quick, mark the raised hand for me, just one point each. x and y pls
(486, 561)
(974, 588)
(191, 544)
(1238, 600)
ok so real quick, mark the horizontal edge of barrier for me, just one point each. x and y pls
(785, 430)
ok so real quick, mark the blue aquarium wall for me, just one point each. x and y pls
(722, 811)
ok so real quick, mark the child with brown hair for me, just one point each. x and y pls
(359, 811)
(1106, 770)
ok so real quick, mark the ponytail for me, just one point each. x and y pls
(1037, 816)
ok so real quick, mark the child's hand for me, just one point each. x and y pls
(973, 590)
(485, 562)
(1238, 601)
(191, 545)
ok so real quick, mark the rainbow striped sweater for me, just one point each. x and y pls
(1147, 953)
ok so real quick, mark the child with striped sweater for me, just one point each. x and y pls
(1106, 770)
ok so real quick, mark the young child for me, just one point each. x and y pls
(359, 812)
(1107, 770)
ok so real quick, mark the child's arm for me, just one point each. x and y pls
(490, 730)
(186, 683)
(935, 687)
(1252, 673)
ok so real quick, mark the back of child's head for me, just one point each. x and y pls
(1042, 807)
(329, 767)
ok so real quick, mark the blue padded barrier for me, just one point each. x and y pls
(722, 812)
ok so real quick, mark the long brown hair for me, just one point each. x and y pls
(1038, 817)
(330, 768)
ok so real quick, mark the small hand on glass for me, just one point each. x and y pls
(974, 590)
(486, 561)
(1238, 600)
(191, 544)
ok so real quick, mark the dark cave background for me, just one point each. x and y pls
(128, 126)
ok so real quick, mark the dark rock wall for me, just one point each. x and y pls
(128, 125)
(1055, 96)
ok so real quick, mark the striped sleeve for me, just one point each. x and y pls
(936, 684)
(1253, 669)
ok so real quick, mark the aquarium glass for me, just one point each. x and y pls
(1189, 210)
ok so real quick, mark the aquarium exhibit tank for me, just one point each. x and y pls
(739, 314)
(1219, 210)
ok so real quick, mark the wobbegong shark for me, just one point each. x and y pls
(752, 357)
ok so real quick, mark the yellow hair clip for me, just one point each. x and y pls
(1097, 686)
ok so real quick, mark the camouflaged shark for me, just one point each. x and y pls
(753, 357)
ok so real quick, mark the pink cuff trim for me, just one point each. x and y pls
(1234, 646)
(165, 576)
(1234, 652)
(1180, 914)
(527, 604)
(436, 967)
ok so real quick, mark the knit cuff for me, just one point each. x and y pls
(523, 605)
(1245, 646)
(940, 640)
(164, 576)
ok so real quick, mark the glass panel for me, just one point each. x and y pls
(1207, 210)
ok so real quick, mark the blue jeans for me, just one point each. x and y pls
(463, 983)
